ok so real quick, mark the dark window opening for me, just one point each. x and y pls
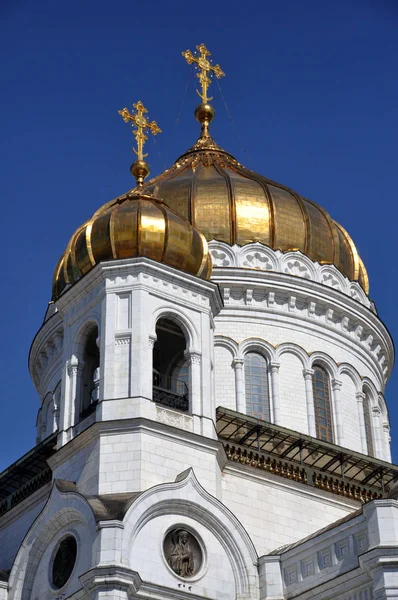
(170, 367)
(90, 375)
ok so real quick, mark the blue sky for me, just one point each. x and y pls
(312, 90)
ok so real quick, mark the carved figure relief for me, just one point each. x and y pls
(182, 552)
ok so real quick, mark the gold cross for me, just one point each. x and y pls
(142, 124)
(205, 67)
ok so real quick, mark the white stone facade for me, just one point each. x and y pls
(128, 468)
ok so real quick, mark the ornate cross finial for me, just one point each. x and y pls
(140, 168)
(205, 66)
(142, 124)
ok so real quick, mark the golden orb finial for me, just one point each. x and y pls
(204, 112)
(140, 168)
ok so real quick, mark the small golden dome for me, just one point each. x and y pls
(133, 225)
(232, 204)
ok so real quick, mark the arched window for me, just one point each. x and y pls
(90, 375)
(322, 404)
(256, 385)
(170, 368)
(368, 425)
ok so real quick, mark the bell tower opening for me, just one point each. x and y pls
(170, 367)
(90, 375)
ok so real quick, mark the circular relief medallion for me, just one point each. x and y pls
(183, 552)
(64, 561)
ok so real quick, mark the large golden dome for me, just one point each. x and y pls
(230, 203)
(135, 224)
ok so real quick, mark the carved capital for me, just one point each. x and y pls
(151, 340)
(193, 357)
(336, 384)
(308, 373)
(74, 366)
(360, 396)
(376, 411)
(274, 367)
(238, 363)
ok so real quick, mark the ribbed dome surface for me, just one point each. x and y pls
(230, 203)
(130, 226)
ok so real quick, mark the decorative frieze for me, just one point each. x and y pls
(259, 257)
(302, 304)
(174, 419)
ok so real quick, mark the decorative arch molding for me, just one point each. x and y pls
(293, 262)
(169, 311)
(228, 343)
(369, 386)
(257, 256)
(298, 351)
(324, 360)
(347, 369)
(46, 354)
(90, 322)
(381, 403)
(356, 292)
(186, 497)
(222, 254)
(44, 415)
(330, 276)
(260, 345)
(62, 509)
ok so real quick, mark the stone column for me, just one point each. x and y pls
(336, 405)
(275, 395)
(309, 395)
(75, 370)
(360, 396)
(378, 442)
(55, 417)
(194, 360)
(386, 441)
(237, 364)
(151, 342)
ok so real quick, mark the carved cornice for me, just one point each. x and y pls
(308, 305)
(257, 256)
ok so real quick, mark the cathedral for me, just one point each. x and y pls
(212, 423)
